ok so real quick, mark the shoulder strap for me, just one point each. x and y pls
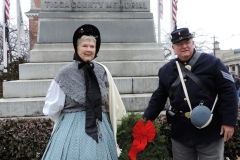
(192, 61)
(195, 79)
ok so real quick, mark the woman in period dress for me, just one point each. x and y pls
(85, 105)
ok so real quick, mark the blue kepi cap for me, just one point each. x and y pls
(180, 34)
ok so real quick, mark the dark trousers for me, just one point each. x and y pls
(190, 151)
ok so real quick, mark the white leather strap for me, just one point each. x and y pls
(214, 103)
(183, 84)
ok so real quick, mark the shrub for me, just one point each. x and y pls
(232, 146)
(24, 138)
(166, 131)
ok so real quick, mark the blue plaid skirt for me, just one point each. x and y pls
(69, 140)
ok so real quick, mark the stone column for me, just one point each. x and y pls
(229, 68)
(237, 69)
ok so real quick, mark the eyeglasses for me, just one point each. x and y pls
(182, 43)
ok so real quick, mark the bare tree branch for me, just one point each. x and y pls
(12, 52)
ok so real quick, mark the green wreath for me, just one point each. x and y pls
(156, 150)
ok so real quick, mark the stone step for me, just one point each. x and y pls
(32, 107)
(21, 107)
(63, 52)
(29, 71)
(38, 88)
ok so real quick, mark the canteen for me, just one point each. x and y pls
(201, 116)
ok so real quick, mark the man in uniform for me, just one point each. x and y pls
(212, 80)
(237, 85)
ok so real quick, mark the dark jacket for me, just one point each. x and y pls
(237, 83)
(218, 80)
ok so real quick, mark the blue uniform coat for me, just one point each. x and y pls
(218, 80)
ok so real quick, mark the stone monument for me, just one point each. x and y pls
(128, 49)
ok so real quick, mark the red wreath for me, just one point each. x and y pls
(141, 134)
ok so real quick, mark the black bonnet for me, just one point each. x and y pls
(88, 30)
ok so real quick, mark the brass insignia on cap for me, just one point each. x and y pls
(188, 67)
(179, 33)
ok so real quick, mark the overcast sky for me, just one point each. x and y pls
(217, 18)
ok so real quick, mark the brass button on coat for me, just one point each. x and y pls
(185, 99)
(187, 115)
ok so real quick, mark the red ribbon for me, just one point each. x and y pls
(141, 134)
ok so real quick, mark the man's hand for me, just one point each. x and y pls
(227, 131)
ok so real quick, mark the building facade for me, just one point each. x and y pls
(231, 58)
